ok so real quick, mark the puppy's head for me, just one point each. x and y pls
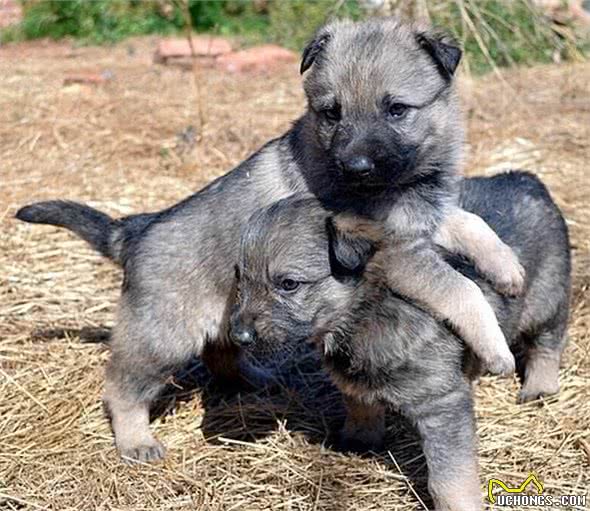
(382, 102)
(298, 271)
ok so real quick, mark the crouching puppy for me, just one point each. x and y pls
(305, 274)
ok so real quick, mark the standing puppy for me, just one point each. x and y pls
(303, 274)
(381, 138)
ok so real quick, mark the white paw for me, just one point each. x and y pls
(143, 452)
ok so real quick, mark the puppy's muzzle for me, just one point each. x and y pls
(244, 335)
(358, 166)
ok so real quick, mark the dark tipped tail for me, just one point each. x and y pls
(98, 229)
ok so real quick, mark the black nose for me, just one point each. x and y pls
(244, 335)
(359, 165)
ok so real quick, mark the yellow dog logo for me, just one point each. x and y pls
(530, 479)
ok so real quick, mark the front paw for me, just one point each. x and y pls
(146, 451)
(530, 393)
(511, 284)
(509, 278)
(499, 363)
(539, 384)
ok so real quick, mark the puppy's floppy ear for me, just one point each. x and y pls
(443, 49)
(313, 49)
(352, 243)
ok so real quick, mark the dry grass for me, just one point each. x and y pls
(116, 147)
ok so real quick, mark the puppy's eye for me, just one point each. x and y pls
(332, 114)
(289, 285)
(398, 110)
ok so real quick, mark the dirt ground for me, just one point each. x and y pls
(125, 146)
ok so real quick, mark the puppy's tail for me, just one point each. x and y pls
(103, 233)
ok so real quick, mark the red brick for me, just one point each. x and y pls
(256, 59)
(11, 13)
(204, 46)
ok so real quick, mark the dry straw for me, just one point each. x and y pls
(117, 147)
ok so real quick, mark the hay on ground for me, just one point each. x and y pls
(125, 147)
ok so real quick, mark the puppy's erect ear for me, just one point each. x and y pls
(444, 50)
(313, 49)
(352, 243)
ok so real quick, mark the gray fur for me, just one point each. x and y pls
(178, 263)
(380, 348)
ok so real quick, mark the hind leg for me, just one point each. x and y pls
(129, 391)
(130, 413)
(542, 360)
(144, 355)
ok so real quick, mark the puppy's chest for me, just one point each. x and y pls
(412, 216)
(404, 214)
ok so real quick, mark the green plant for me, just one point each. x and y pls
(97, 21)
(494, 33)
(292, 23)
(499, 33)
(243, 19)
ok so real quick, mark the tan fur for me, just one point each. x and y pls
(541, 375)
(457, 489)
(417, 272)
(130, 423)
(356, 227)
(465, 233)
